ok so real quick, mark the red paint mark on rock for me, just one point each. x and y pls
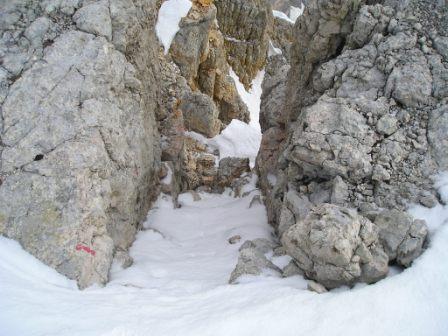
(85, 248)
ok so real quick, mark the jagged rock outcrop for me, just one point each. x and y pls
(252, 259)
(198, 50)
(282, 36)
(285, 5)
(245, 25)
(365, 109)
(79, 143)
(401, 236)
(335, 246)
(229, 170)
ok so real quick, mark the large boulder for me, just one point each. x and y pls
(200, 114)
(335, 246)
(229, 170)
(79, 148)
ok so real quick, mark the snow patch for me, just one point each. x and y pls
(170, 14)
(295, 12)
(273, 50)
(251, 98)
(283, 16)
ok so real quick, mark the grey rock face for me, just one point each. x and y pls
(200, 114)
(230, 169)
(365, 110)
(335, 246)
(437, 130)
(79, 150)
(291, 269)
(272, 111)
(282, 35)
(198, 50)
(190, 45)
(245, 25)
(401, 235)
(95, 18)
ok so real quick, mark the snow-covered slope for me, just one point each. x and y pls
(177, 286)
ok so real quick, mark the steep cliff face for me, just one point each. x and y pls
(364, 105)
(85, 92)
(79, 144)
(198, 50)
(246, 26)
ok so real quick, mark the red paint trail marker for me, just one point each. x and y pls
(84, 248)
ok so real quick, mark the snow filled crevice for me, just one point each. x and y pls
(170, 14)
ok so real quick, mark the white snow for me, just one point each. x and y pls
(170, 14)
(273, 50)
(282, 15)
(295, 12)
(177, 286)
(169, 176)
(252, 98)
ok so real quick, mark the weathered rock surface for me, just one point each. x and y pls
(79, 149)
(229, 170)
(198, 49)
(273, 95)
(252, 259)
(335, 246)
(401, 235)
(245, 25)
(282, 35)
(198, 94)
(200, 114)
(314, 286)
(364, 110)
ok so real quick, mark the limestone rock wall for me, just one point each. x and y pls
(198, 94)
(198, 50)
(365, 108)
(246, 25)
(79, 146)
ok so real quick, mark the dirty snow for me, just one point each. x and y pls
(170, 14)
